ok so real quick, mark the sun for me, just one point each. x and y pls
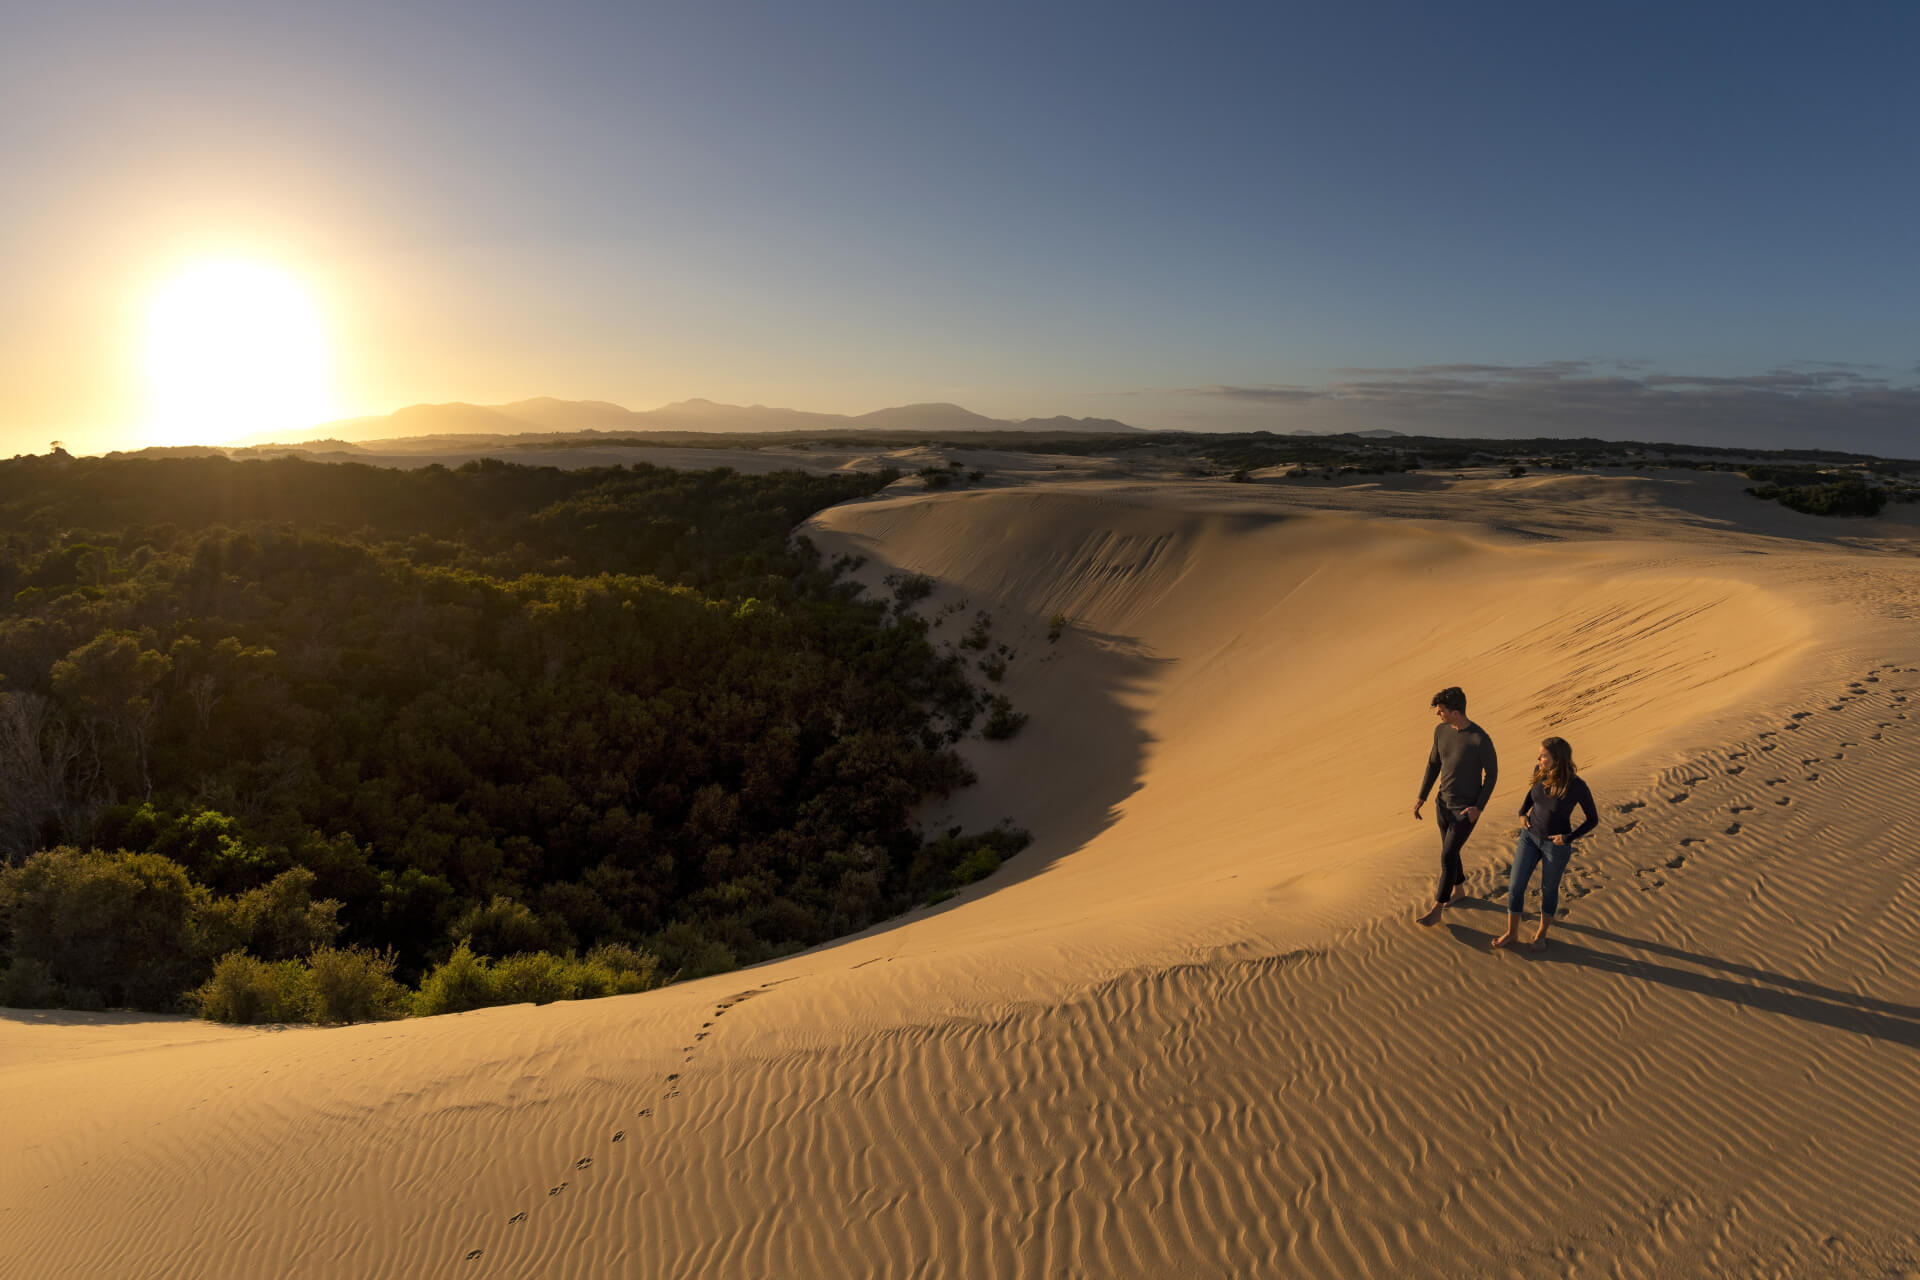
(234, 348)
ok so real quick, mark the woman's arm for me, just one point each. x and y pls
(1584, 799)
(1526, 803)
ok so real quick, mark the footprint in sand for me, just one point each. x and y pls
(1834, 707)
(554, 1191)
(517, 1218)
(1765, 733)
(1768, 747)
(620, 1136)
(1679, 796)
(1690, 841)
(1735, 755)
(1631, 805)
(583, 1162)
(1774, 782)
(1813, 777)
(1877, 737)
(1739, 808)
(1677, 861)
(1625, 827)
(1733, 828)
(1801, 715)
(1736, 769)
(644, 1112)
(472, 1254)
(1784, 800)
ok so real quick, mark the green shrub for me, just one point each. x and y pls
(1847, 498)
(463, 981)
(115, 925)
(28, 983)
(538, 977)
(1002, 720)
(502, 927)
(632, 968)
(354, 984)
(909, 588)
(277, 921)
(247, 989)
(978, 865)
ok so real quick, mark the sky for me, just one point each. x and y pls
(1682, 222)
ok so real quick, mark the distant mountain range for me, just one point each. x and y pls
(590, 417)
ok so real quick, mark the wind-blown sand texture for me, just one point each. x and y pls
(1191, 1031)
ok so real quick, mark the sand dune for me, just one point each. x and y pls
(1190, 1031)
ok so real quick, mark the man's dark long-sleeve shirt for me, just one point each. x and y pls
(1549, 815)
(1464, 762)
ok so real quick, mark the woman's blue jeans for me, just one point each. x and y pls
(1551, 858)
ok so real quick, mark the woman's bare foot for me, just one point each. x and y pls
(1538, 942)
(1501, 941)
(1432, 917)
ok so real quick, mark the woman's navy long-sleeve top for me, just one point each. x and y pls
(1549, 815)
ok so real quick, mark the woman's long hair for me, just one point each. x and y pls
(1559, 771)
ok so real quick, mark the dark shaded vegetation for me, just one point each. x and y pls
(337, 720)
(1848, 497)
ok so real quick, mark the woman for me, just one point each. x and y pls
(1547, 839)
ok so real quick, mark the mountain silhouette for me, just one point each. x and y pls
(546, 414)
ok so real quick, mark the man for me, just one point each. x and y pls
(1464, 763)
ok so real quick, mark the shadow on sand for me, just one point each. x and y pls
(1742, 984)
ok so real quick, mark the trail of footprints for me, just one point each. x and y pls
(1774, 793)
(669, 1088)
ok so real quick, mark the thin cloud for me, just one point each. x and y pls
(1830, 404)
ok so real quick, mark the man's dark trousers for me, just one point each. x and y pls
(1454, 831)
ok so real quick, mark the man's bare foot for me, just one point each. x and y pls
(1432, 917)
(1501, 941)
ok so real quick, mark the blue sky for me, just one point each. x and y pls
(1691, 221)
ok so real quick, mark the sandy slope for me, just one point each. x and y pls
(1189, 1032)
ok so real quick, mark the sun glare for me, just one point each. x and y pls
(234, 348)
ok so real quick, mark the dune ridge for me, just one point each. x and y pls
(1190, 1032)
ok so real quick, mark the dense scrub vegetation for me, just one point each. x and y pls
(1816, 491)
(327, 714)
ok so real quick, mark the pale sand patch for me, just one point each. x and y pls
(1190, 1031)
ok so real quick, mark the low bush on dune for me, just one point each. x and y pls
(357, 985)
(250, 990)
(354, 984)
(468, 981)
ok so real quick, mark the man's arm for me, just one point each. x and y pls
(1433, 771)
(1491, 765)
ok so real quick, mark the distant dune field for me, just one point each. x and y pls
(1191, 1031)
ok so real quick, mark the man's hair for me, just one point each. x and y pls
(1451, 698)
